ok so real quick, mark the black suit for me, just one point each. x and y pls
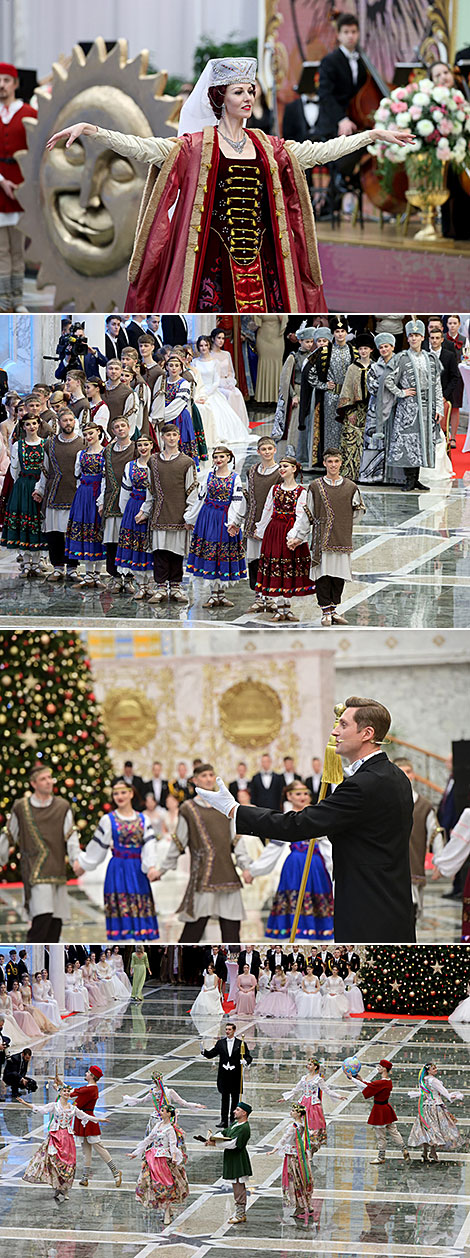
(220, 963)
(174, 329)
(228, 1080)
(294, 123)
(164, 793)
(341, 966)
(134, 330)
(3, 977)
(270, 957)
(336, 90)
(267, 798)
(298, 959)
(255, 965)
(368, 819)
(354, 960)
(317, 964)
(234, 787)
(16, 1069)
(450, 375)
(315, 792)
(114, 351)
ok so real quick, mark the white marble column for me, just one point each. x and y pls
(36, 958)
(57, 973)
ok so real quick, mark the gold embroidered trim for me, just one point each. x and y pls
(307, 218)
(192, 248)
(154, 188)
(283, 230)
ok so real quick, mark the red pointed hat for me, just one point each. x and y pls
(7, 68)
(96, 1072)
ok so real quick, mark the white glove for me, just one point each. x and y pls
(222, 800)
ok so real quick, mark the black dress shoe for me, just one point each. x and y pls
(422, 488)
(220, 1126)
(451, 895)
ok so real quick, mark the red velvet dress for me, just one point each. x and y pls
(240, 270)
(381, 1113)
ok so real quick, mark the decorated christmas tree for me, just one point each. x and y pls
(428, 980)
(49, 712)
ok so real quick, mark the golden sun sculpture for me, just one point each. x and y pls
(81, 204)
(130, 719)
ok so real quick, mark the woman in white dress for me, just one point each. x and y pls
(353, 992)
(43, 997)
(117, 963)
(309, 1000)
(228, 382)
(221, 422)
(294, 979)
(81, 985)
(105, 972)
(97, 996)
(461, 1012)
(74, 998)
(208, 1004)
(102, 983)
(334, 999)
(10, 1026)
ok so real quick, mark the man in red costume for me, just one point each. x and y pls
(12, 140)
(90, 1132)
(382, 1115)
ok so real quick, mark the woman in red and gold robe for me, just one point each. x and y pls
(226, 222)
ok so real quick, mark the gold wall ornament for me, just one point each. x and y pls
(250, 713)
(81, 204)
(130, 718)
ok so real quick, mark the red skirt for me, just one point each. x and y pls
(282, 571)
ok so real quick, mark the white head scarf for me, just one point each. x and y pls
(197, 111)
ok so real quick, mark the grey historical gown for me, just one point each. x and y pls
(413, 426)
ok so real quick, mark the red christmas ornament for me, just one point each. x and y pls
(51, 708)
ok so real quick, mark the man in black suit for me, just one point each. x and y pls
(342, 74)
(266, 787)
(296, 958)
(314, 779)
(157, 785)
(4, 1051)
(368, 819)
(322, 957)
(3, 977)
(288, 773)
(12, 969)
(276, 956)
(15, 1074)
(229, 1051)
(249, 956)
(450, 375)
(137, 783)
(351, 957)
(216, 957)
(174, 329)
(339, 962)
(116, 337)
(240, 783)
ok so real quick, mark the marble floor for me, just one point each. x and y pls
(441, 921)
(411, 568)
(399, 1210)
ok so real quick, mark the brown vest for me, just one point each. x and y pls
(41, 841)
(167, 484)
(418, 839)
(115, 401)
(61, 483)
(114, 465)
(210, 846)
(330, 510)
(258, 490)
(151, 375)
(77, 405)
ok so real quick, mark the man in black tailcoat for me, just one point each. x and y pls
(368, 819)
(229, 1051)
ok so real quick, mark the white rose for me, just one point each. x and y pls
(437, 115)
(403, 120)
(424, 127)
(440, 93)
(460, 115)
(420, 98)
(457, 128)
(426, 85)
(451, 105)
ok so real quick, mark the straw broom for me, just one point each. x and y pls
(332, 775)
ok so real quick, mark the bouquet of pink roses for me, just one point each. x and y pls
(440, 119)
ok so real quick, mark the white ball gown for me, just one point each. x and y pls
(309, 999)
(208, 1004)
(334, 999)
(220, 421)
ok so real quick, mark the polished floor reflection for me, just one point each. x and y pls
(411, 568)
(441, 921)
(360, 1209)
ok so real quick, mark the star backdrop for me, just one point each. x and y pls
(49, 712)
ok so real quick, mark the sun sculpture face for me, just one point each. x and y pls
(81, 204)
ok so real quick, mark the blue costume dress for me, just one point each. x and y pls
(83, 536)
(316, 919)
(128, 900)
(178, 391)
(131, 552)
(213, 554)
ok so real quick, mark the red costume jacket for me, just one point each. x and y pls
(86, 1098)
(381, 1113)
(12, 140)
(168, 257)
